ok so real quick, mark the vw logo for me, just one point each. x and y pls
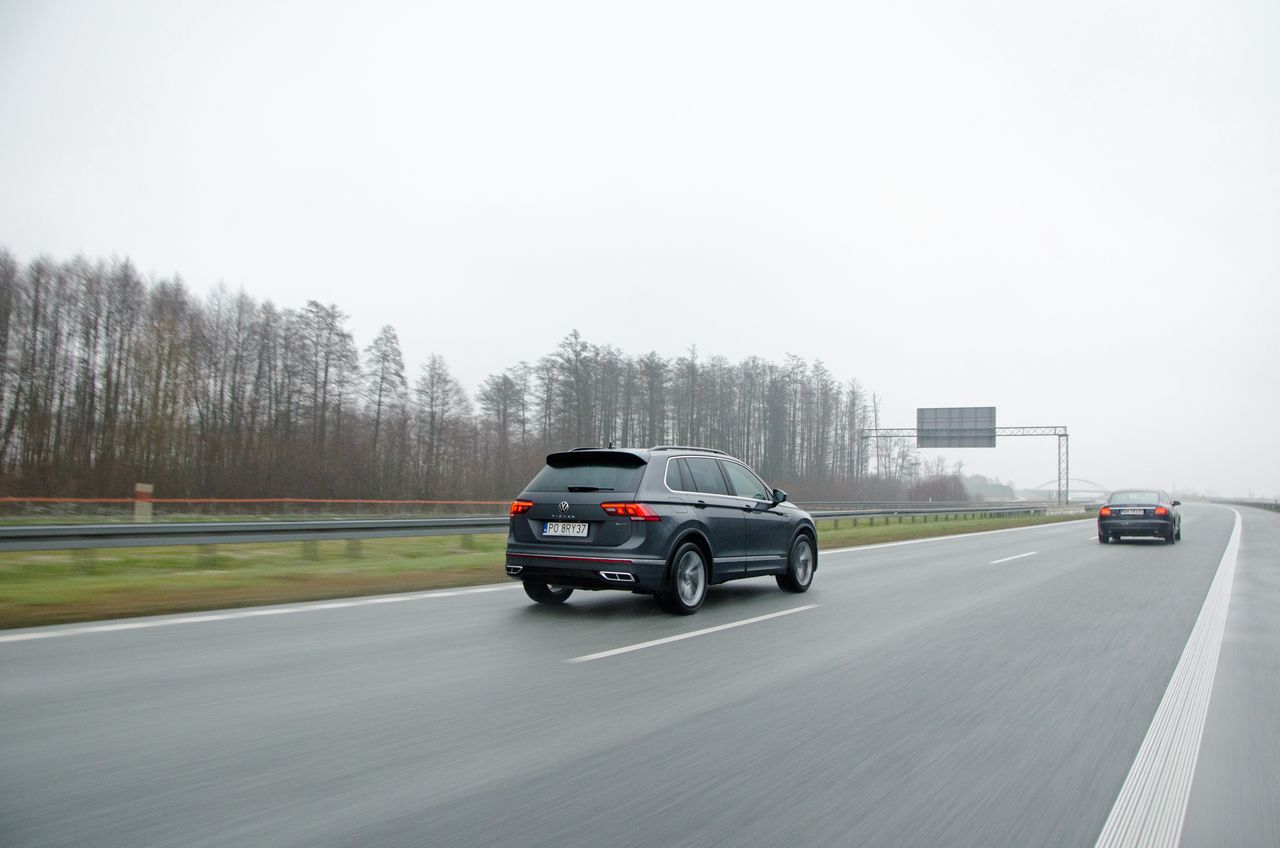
(564, 506)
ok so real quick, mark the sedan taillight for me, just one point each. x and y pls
(521, 507)
(634, 511)
(1106, 510)
(1161, 511)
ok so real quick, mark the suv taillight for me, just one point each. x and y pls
(521, 507)
(634, 511)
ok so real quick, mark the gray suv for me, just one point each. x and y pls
(667, 521)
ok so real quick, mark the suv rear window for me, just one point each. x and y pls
(593, 475)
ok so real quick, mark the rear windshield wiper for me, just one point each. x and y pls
(589, 488)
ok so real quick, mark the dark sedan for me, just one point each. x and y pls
(1140, 512)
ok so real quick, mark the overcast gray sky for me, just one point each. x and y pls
(1066, 210)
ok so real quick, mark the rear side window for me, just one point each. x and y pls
(745, 484)
(588, 477)
(675, 480)
(706, 475)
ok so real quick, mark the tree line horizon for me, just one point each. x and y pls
(108, 379)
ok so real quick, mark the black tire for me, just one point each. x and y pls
(1178, 533)
(545, 594)
(1103, 538)
(1172, 537)
(802, 562)
(687, 585)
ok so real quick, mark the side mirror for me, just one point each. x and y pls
(779, 496)
(1177, 503)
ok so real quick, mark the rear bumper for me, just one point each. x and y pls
(585, 572)
(1159, 527)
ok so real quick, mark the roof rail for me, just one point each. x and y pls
(687, 447)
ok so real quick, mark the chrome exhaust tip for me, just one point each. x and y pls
(618, 576)
(513, 570)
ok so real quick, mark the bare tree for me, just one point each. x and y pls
(384, 373)
(107, 378)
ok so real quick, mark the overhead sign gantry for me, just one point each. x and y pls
(975, 427)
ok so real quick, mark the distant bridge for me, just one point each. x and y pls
(1077, 486)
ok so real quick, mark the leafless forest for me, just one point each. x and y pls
(108, 379)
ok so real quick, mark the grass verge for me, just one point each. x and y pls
(893, 528)
(54, 587)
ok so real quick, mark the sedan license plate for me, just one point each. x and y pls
(561, 528)
(1131, 512)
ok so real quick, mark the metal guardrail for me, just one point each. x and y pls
(976, 511)
(972, 509)
(87, 536)
(71, 536)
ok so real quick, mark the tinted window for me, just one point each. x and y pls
(706, 475)
(745, 484)
(674, 480)
(1135, 497)
(588, 477)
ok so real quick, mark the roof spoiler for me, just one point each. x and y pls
(588, 456)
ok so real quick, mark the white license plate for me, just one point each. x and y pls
(561, 528)
(1131, 512)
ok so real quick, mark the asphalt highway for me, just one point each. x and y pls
(1015, 688)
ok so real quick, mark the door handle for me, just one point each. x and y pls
(701, 504)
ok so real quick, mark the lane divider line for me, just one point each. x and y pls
(1010, 559)
(682, 636)
(1152, 803)
(230, 615)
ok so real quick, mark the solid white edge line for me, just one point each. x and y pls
(253, 612)
(682, 636)
(1152, 804)
(1010, 559)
